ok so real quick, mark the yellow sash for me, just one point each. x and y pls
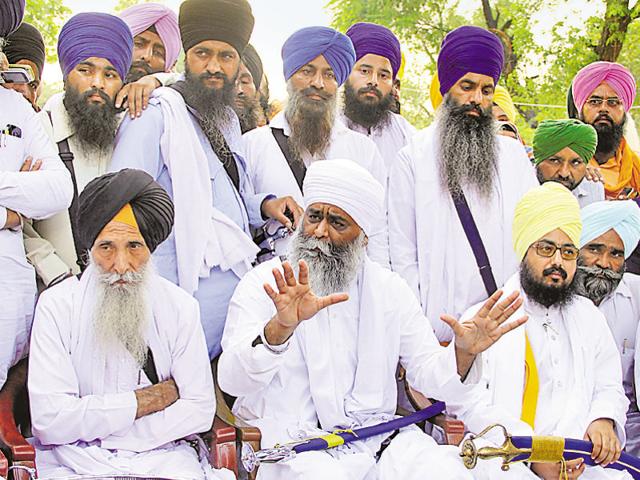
(621, 171)
(531, 385)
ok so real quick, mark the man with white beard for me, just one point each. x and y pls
(119, 371)
(301, 357)
(459, 168)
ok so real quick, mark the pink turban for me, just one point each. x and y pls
(614, 74)
(146, 15)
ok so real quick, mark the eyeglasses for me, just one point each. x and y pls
(612, 102)
(548, 249)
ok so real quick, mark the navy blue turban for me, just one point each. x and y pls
(469, 49)
(311, 42)
(97, 35)
(378, 40)
(11, 13)
(26, 43)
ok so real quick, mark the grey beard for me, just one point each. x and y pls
(120, 318)
(596, 283)
(468, 149)
(310, 122)
(333, 267)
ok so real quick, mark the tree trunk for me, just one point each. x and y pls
(617, 18)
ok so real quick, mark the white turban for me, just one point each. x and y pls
(348, 186)
(621, 216)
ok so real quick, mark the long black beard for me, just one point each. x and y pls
(609, 136)
(249, 114)
(542, 294)
(310, 121)
(136, 74)
(95, 124)
(596, 283)
(468, 148)
(365, 113)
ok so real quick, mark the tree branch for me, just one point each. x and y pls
(634, 13)
(488, 14)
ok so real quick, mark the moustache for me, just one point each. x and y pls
(603, 116)
(560, 270)
(142, 65)
(129, 278)
(369, 89)
(314, 91)
(94, 91)
(216, 75)
(604, 273)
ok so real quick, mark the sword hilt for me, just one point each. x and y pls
(252, 459)
(470, 453)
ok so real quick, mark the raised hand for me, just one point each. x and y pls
(486, 327)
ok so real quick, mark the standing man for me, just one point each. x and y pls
(188, 139)
(610, 232)
(561, 151)
(368, 92)
(317, 60)
(603, 92)
(460, 156)
(249, 100)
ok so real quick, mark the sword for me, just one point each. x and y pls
(281, 453)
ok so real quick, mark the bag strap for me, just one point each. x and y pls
(149, 368)
(298, 168)
(475, 241)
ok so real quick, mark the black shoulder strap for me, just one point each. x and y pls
(298, 168)
(149, 368)
(475, 241)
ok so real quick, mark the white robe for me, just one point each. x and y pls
(269, 171)
(338, 371)
(33, 195)
(622, 311)
(83, 404)
(427, 243)
(578, 365)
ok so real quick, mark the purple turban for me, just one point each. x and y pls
(311, 42)
(146, 15)
(378, 40)
(98, 35)
(469, 49)
(11, 13)
(614, 74)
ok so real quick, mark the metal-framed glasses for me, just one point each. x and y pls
(612, 102)
(549, 249)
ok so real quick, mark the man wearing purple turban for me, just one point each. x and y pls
(603, 92)
(368, 92)
(317, 61)
(458, 168)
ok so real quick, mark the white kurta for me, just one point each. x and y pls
(83, 404)
(427, 243)
(338, 371)
(33, 195)
(578, 366)
(389, 138)
(622, 311)
(270, 173)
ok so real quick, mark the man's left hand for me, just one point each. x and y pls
(276, 207)
(486, 327)
(593, 174)
(606, 446)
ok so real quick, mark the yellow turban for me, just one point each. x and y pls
(434, 92)
(502, 98)
(542, 210)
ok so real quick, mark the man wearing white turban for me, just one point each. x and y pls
(610, 233)
(314, 344)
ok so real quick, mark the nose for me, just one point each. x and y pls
(213, 65)
(322, 230)
(565, 171)
(604, 261)
(97, 81)
(121, 263)
(146, 54)
(476, 96)
(318, 81)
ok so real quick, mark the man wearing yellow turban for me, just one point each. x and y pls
(566, 354)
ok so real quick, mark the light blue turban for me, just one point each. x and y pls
(621, 216)
(311, 42)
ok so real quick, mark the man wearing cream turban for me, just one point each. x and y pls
(561, 151)
(317, 61)
(565, 353)
(459, 154)
(602, 93)
(314, 342)
(610, 232)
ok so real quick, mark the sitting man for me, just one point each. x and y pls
(561, 151)
(561, 373)
(610, 233)
(118, 371)
(303, 355)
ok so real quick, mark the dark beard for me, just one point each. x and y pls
(546, 295)
(609, 136)
(310, 121)
(570, 184)
(468, 148)
(248, 114)
(595, 282)
(95, 124)
(366, 113)
(136, 74)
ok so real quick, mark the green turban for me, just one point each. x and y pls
(553, 135)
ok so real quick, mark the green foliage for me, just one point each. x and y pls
(48, 16)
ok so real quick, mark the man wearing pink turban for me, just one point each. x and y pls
(156, 39)
(603, 92)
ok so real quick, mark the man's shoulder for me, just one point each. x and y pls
(60, 295)
(631, 283)
(257, 134)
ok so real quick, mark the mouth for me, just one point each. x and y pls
(95, 98)
(473, 113)
(212, 81)
(604, 121)
(315, 97)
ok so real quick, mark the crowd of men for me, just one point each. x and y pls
(153, 222)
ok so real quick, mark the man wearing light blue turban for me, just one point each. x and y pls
(610, 233)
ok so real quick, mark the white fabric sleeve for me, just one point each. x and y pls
(378, 247)
(42, 255)
(167, 78)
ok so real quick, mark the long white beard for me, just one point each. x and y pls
(120, 318)
(332, 268)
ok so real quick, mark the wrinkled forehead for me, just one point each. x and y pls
(329, 209)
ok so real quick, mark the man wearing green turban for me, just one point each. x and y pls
(561, 151)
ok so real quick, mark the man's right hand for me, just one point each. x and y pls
(294, 301)
(551, 471)
(135, 96)
(156, 398)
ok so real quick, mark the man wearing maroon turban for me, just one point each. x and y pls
(459, 157)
